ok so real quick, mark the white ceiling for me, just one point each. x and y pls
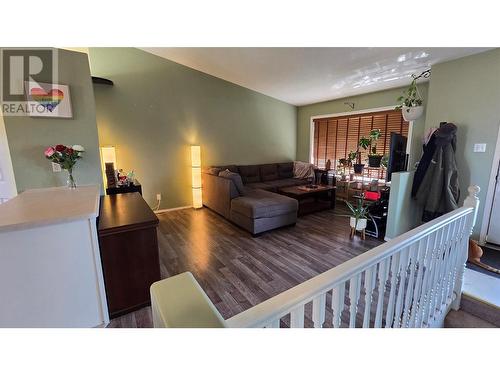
(308, 75)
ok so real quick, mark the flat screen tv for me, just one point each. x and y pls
(398, 158)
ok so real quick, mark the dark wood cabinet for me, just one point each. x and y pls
(129, 251)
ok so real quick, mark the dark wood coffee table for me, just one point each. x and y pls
(311, 200)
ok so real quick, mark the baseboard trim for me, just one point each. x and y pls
(491, 246)
(387, 238)
(171, 209)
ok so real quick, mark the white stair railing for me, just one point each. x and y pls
(410, 281)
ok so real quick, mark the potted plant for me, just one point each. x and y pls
(359, 215)
(374, 159)
(411, 102)
(358, 166)
(364, 143)
(385, 161)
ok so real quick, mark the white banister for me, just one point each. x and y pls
(338, 304)
(410, 281)
(472, 201)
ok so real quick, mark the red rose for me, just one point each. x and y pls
(60, 148)
(69, 151)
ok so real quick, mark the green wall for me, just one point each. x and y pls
(467, 92)
(366, 101)
(28, 137)
(157, 108)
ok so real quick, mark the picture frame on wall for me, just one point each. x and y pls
(48, 100)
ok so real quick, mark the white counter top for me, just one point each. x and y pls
(38, 207)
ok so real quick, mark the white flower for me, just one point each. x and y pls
(78, 148)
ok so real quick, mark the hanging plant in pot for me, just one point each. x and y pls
(411, 102)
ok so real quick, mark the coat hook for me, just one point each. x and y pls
(350, 104)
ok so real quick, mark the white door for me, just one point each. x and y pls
(7, 182)
(494, 226)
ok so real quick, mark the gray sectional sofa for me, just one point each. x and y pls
(255, 206)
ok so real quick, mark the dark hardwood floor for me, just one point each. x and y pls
(238, 271)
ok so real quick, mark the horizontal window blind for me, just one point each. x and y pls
(335, 137)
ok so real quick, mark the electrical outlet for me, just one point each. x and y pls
(56, 167)
(158, 197)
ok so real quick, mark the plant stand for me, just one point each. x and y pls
(359, 226)
(353, 232)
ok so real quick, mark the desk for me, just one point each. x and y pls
(129, 251)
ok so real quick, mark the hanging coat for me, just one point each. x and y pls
(439, 190)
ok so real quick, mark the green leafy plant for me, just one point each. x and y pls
(364, 142)
(374, 136)
(370, 143)
(411, 96)
(385, 161)
(352, 156)
(358, 211)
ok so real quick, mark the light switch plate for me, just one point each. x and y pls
(479, 147)
(56, 167)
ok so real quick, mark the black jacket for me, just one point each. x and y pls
(436, 185)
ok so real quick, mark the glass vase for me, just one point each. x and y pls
(71, 180)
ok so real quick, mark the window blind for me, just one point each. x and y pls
(335, 137)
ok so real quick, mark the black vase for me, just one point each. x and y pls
(358, 168)
(374, 160)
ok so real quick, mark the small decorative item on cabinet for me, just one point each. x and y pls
(66, 157)
(110, 175)
(133, 187)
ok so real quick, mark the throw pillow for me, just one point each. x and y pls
(236, 178)
(212, 170)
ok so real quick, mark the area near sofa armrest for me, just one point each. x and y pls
(218, 193)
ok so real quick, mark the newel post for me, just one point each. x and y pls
(471, 201)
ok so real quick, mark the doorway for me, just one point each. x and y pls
(493, 234)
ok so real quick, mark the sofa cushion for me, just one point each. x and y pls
(286, 182)
(263, 204)
(259, 185)
(268, 172)
(285, 170)
(232, 168)
(249, 173)
(212, 170)
(236, 178)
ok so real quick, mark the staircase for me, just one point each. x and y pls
(473, 313)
